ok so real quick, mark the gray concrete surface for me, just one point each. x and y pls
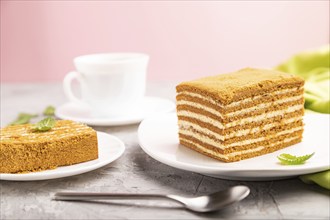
(136, 172)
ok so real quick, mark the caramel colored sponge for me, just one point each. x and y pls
(24, 150)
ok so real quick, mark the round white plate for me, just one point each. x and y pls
(148, 106)
(110, 148)
(158, 137)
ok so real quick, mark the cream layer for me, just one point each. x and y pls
(216, 144)
(234, 104)
(186, 125)
(233, 154)
(240, 121)
(235, 113)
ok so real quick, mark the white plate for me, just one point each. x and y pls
(158, 137)
(148, 106)
(110, 148)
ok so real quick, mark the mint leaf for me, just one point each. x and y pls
(45, 124)
(23, 118)
(49, 110)
(288, 159)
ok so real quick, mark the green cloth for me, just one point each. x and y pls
(321, 178)
(314, 67)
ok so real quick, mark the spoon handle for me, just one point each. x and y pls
(105, 196)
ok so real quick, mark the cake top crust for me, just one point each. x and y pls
(25, 133)
(235, 86)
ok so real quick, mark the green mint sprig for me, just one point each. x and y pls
(288, 159)
(45, 124)
(49, 110)
(23, 118)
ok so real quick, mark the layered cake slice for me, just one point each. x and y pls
(24, 150)
(240, 115)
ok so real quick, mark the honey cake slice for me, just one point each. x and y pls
(24, 150)
(240, 115)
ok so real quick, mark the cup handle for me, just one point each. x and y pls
(67, 82)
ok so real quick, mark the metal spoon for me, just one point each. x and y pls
(207, 203)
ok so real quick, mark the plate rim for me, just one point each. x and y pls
(38, 176)
(223, 171)
(114, 122)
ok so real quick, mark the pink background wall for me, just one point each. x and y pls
(184, 39)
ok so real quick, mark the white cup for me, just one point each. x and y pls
(111, 83)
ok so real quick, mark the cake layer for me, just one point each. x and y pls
(251, 132)
(24, 150)
(245, 103)
(245, 83)
(239, 145)
(253, 110)
(203, 116)
(241, 155)
(229, 130)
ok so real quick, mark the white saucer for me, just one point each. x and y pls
(110, 148)
(158, 137)
(148, 107)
